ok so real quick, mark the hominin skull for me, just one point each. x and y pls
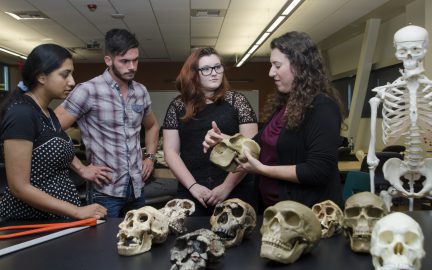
(397, 243)
(232, 220)
(196, 250)
(140, 229)
(289, 230)
(362, 211)
(177, 210)
(330, 217)
(225, 152)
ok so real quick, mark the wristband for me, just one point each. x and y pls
(192, 185)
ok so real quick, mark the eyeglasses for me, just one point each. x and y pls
(206, 71)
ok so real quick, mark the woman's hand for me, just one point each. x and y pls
(213, 137)
(201, 193)
(100, 175)
(219, 194)
(252, 165)
(91, 211)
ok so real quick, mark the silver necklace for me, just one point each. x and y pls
(45, 112)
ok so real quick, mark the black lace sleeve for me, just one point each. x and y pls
(246, 114)
(172, 116)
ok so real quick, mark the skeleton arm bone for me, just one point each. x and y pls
(372, 159)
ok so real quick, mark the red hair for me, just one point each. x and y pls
(189, 85)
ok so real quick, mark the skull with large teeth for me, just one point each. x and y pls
(362, 211)
(177, 210)
(232, 220)
(140, 229)
(289, 230)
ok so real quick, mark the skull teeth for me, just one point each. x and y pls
(225, 234)
(279, 244)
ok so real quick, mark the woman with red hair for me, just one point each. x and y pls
(205, 101)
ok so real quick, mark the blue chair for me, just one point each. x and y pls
(355, 182)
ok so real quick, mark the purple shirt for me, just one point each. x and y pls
(110, 128)
(269, 187)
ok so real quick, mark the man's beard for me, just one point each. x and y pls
(119, 75)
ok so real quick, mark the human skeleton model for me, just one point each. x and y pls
(407, 112)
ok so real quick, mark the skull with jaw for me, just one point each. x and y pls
(411, 46)
(397, 243)
(232, 220)
(177, 210)
(225, 152)
(196, 250)
(330, 217)
(289, 229)
(140, 229)
(362, 211)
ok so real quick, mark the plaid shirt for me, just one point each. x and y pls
(110, 128)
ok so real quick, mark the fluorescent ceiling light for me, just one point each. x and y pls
(27, 15)
(254, 47)
(263, 37)
(13, 53)
(290, 7)
(275, 24)
(280, 17)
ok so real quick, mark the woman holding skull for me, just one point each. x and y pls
(205, 99)
(298, 159)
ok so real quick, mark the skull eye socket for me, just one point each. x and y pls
(416, 50)
(374, 212)
(352, 212)
(292, 218)
(217, 210)
(171, 204)
(237, 211)
(128, 216)
(316, 209)
(410, 238)
(329, 211)
(187, 205)
(269, 214)
(180, 244)
(143, 218)
(386, 237)
(199, 246)
(402, 51)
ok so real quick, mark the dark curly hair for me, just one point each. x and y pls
(189, 85)
(310, 77)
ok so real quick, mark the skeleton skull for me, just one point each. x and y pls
(289, 229)
(330, 217)
(225, 152)
(397, 243)
(177, 210)
(196, 249)
(411, 46)
(139, 229)
(362, 211)
(232, 220)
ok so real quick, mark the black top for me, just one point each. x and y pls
(52, 154)
(313, 149)
(228, 115)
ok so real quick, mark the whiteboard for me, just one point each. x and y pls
(162, 99)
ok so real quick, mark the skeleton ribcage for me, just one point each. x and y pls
(396, 114)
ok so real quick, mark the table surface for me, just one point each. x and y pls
(345, 166)
(95, 248)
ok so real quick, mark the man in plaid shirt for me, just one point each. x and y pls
(110, 110)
